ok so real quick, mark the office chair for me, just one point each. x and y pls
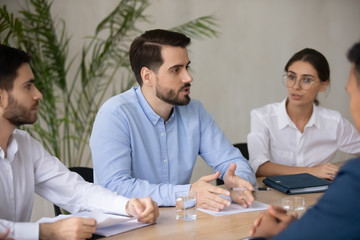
(86, 173)
(244, 151)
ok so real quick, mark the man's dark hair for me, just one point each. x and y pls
(145, 50)
(10, 60)
(354, 57)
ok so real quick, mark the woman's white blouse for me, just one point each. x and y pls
(274, 137)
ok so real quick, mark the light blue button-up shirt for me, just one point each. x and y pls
(136, 154)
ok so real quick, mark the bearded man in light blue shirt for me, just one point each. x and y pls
(145, 141)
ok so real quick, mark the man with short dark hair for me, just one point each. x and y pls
(26, 167)
(336, 215)
(146, 140)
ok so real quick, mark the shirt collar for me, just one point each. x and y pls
(284, 119)
(314, 120)
(12, 149)
(149, 112)
(2, 154)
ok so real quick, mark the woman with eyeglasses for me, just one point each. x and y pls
(297, 135)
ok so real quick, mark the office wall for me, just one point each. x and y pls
(240, 70)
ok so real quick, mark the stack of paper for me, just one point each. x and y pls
(107, 224)
(236, 208)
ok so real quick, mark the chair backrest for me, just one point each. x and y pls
(84, 172)
(244, 151)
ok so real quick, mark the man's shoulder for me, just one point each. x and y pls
(352, 165)
(121, 99)
(23, 138)
(349, 174)
(21, 134)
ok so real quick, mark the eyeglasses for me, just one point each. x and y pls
(289, 80)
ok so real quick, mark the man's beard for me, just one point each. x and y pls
(18, 114)
(169, 96)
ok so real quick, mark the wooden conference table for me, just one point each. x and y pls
(206, 226)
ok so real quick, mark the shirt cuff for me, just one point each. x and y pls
(117, 205)
(244, 171)
(250, 178)
(28, 231)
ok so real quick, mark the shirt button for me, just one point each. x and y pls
(162, 134)
(165, 160)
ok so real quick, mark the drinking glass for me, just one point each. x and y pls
(294, 204)
(186, 205)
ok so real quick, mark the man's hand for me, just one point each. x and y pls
(244, 198)
(68, 229)
(145, 209)
(271, 222)
(208, 195)
(326, 171)
(3, 236)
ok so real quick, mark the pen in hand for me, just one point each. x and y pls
(255, 189)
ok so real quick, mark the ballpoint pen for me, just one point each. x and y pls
(255, 189)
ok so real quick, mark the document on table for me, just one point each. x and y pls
(236, 208)
(107, 224)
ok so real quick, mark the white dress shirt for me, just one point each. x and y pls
(274, 137)
(27, 169)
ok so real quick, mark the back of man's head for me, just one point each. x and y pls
(354, 57)
(145, 50)
(10, 60)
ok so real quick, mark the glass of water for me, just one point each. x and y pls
(186, 205)
(294, 204)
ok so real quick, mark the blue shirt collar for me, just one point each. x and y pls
(149, 112)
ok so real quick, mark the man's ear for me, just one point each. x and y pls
(3, 98)
(2, 91)
(147, 76)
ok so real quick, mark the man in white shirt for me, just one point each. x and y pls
(26, 167)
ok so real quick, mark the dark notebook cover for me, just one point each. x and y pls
(297, 183)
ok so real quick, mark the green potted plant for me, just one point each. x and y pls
(70, 102)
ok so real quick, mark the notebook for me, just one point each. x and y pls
(297, 183)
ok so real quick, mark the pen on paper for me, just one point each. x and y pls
(255, 189)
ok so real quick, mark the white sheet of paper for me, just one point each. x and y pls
(107, 224)
(236, 208)
(120, 228)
